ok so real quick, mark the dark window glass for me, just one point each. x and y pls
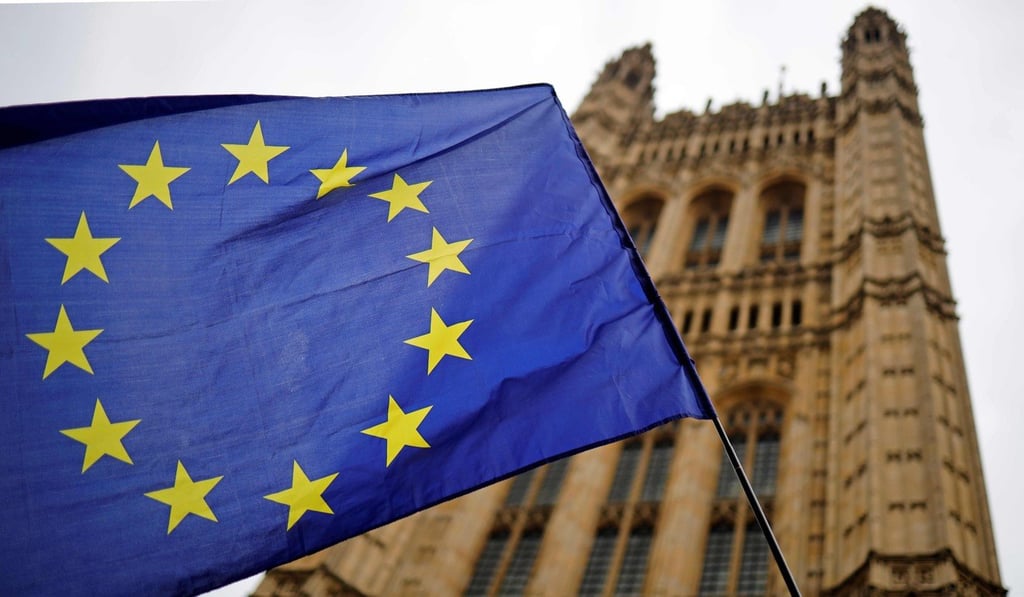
(657, 471)
(776, 315)
(783, 222)
(795, 224)
(634, 562)
(797, 314)
(753, 579)
(734, 318)
(715, 576)
(718, 241)
(520, 485)
(705, 321)
(600, 559)
(624, 472)
(552, 482)
(519, 567)
(771, 228)
(641, 220)
(700, 235)
(632, 79)
(711, 222)
(766, 464)
(687, 321)
(487, 564)
(752, 317)
(728, 484)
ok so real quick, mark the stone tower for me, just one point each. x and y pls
(797, 245)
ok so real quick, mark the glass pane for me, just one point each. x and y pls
(486, 564)
(522, 562)
(634, 563)
(715, 576)
(719, 240)
(794, 224)
(700, 235)
(624, 473)
(753, 578)
(728, 484)
(771, 228)
(657, 472)
(520, 485)
(600, 559)
(766, 465)
(552, 482)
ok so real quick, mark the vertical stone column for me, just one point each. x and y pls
(570, 532)
(677, 555)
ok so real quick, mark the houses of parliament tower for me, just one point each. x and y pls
(797, 246)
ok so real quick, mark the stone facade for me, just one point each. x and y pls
(798, 247)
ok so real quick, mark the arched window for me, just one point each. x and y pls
(629, 527)
(754, 431)
(632, 79)
(783, 221)
(641, 220)
(709, 213)
(508, 556)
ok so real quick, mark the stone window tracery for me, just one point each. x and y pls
(754, 429)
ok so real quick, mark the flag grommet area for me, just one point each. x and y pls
(236, 330)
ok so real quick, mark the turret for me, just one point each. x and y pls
(908, 506)
(619, 101)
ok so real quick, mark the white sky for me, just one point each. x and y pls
(966, 58)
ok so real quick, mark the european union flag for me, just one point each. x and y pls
(235, 330)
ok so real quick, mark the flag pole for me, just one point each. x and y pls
(762, 520)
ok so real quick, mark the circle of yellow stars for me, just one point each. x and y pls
(84, 252)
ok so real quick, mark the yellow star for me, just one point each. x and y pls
(102, 438)
(153, 178)
(186, 497)
(65, 344)
(254, 156)
(338, 176)
(402, 195)
(83, 251)
(442, 255)
(304, 495)
(400, 430)
(441, 341)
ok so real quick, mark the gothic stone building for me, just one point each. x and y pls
(798, 247)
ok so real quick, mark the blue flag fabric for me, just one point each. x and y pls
(234, 331)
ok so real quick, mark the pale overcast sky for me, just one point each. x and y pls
(966, 58)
